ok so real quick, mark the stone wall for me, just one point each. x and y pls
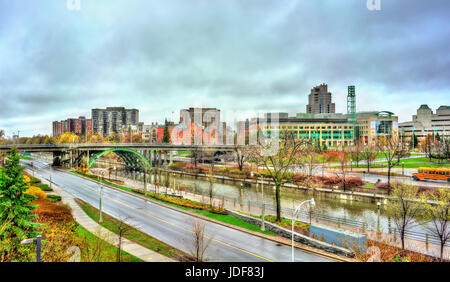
(297, 237)
(339, 237)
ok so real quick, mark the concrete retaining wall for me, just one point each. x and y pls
(339, 237)
(297, 237)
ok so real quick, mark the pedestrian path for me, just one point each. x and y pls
(84, 220)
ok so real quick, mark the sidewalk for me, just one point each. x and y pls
(84, 220)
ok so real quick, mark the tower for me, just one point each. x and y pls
(351, 109)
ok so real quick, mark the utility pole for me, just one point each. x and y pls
(145, 181)
(263, 206)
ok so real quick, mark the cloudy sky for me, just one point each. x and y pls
(242, 56)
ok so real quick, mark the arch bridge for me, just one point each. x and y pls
(136, 156)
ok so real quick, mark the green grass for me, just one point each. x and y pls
(44, 187)
(25, 158)
(111, 250)
(415, 160)
(233, 220)
(220, 217)
(410, 165)
(286, 223)
(369, 185)
(53, 198)
(133, 234)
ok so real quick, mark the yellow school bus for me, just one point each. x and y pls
(424, 173)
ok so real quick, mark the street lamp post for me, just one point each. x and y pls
(100, 218)
(145, 181)
(38, 246)
(378, 218)
(263, 207)
(312, 203)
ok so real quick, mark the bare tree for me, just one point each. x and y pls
(310, 159)
(343, 158)
(122, 230)
(355, 153)
(403, 207)
(241, 153)
(390, 147)
(438, 212)
(278, 164)
(368, 153)
(196, 154)
(199, 242)
(95, 249)
(211, 180)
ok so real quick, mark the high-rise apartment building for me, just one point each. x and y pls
(80, 125)
(320, 101)
(113, 119)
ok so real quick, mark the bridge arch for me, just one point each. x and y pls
(118, 152)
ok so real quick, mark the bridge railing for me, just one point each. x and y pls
(114, 145)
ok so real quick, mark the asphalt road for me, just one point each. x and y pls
(173, 227)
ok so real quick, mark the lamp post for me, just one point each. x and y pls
(145, 181)
(378, 217)
(100, 218)
(263, 206)
(38, 246)
(312, 203)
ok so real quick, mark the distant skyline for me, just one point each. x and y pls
(242, 57)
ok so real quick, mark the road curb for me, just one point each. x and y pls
(276, 239)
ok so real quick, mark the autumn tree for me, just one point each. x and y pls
(427, 145)
(68, 137)
(277, 160)
(113, 138)
(438, 213)
(95, 138)
(403, 207)
(136, 138)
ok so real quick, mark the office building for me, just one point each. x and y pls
(426, 122)
(372, 125)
